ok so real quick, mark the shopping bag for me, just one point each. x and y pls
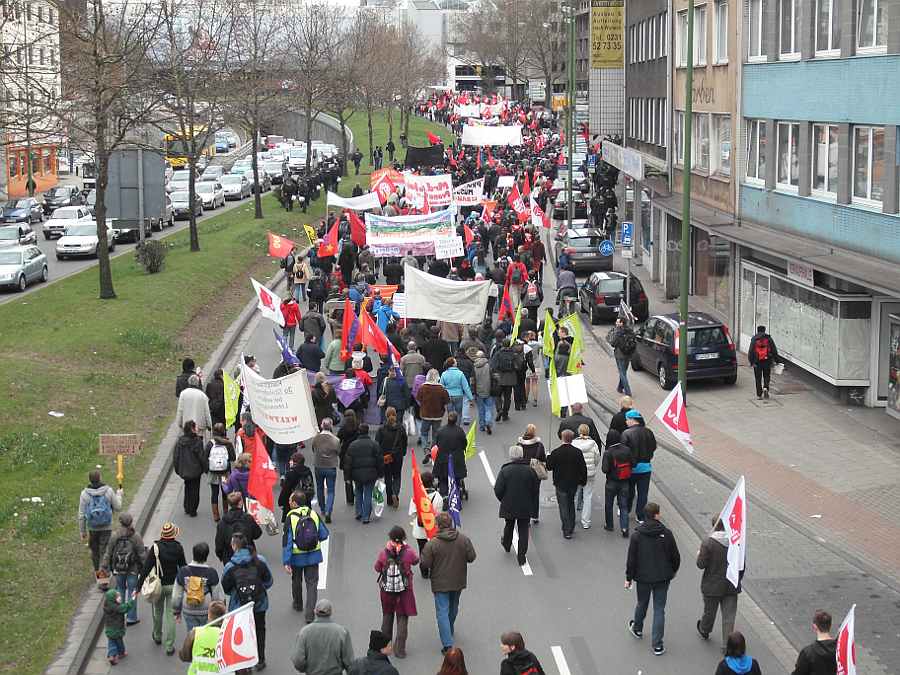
(379, 496)
(409, 423)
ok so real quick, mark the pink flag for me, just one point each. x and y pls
(673, 415)
(846, 645)
(268, 303)
(734, 518)
(236, 648)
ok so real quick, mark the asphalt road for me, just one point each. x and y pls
(568, 602)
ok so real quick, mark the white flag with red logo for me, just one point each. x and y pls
(846, 645)
(269, 303)
(236, 648)
(734, 518)
(673, 415)
(538, 216)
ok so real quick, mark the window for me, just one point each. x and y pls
(872, 25)
(700, 137)
(31, 55)
(868, 162)
(651, 130)
(663, 122)
(721, 55)
(756, 49)
(681, 39)
(651, 38)
(42, 56)
(679, 137)
(788, 161)
(700, 36)
(40, 14)
(790, 24)
(663, 34)
(825, 158)
(643, 52)
(828, 27)
(756, 150)
(722, 130)
(51, 16)
(29, 12)
(631, 32)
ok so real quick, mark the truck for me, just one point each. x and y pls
(136, 192)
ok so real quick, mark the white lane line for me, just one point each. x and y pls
(323, 568)
(560, 659)
(526, 568)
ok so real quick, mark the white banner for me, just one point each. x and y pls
(505, 181)
(438, 188)
(400, 230)
(432, 297)
(469, 194)
(470, 110)
(572, 389)
(451, 247)
(398, 303)
(509, 135)
(282, 408)
(369, 200)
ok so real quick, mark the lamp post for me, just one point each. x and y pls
(570, 113)
(29, 185)
(686, 204)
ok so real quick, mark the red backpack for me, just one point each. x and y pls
(762, 349)
(621, 470)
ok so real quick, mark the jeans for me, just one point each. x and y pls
(659, 591)
(485, 411)
(115, 647)
(583, 496)
(300, 291)
(428, 427)
(456, 403)
(617, 490)
(446, 607)
(640, 483)
(191, 495)
(309, 574)
(325, 480)
(193, 621)
(392, 475)
(762, 373)
(729, 610)
(521, 524)
(623, 387)
(126, 585)
(566, 501)
(164, 619)
(453, 347)
(98, 541)
(363, 499)
(288, 333)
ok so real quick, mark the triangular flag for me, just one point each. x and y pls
(236, 648)
(279, 246)
(232, 396)
(516, 322)
(263, 475)
(526, 187)
(268, 303)
(471, 441)
(286, 354)
(505, 305)
(453, 497)
(549, 329)
(673, 415)
(555, 406)
(469, 234)
(845, 653)
(734, 518)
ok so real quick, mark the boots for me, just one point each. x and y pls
(215, 512)
(400, 638)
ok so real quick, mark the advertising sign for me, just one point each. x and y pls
(607, 33)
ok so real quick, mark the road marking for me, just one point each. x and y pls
(560, 659)
(526, 568)
(323, 568)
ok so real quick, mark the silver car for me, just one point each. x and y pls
(17, 235)
(22, 265)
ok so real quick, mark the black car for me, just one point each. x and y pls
(601, 295)
(711, 351)
(583, 248)
(23, 210)
(126, 230)
(63, 195)
(561, 206)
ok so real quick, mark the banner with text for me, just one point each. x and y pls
(607, 33)
(282, 408)
(438, 188)
(400, 230)
(368, 200)
(469, 194)
(508, 135)
(451, 247)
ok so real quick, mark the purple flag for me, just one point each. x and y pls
(348, 390)
(453, 493)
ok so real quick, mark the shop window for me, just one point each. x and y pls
(788, 174)
(868, 163)
(828, 27)
(825, 159)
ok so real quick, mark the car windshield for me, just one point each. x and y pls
(585, 242)
(298, 152)
(228, 180)
(610, 286)
(81, 230)
(56, 192)
(10, 258)
(180, 177)
(205, 187)
(712, 336)
(9, 233)
(17, 204)
(180, 197)
(273, 166)
(65, 212)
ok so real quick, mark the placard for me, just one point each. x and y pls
(571, 390)
(120, 444)
(505, 181)
(449, 247)
(607, 33)
(398, 304)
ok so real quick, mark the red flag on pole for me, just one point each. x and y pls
(516, 204)
(488, 207)
(506, 305)
(538, 216)
(734, 518)
(349, 330)
(434, 140)
(328, 247)
(383, 187)
(263, 475)
(478, 160)
(469, 234)
(846, 645)
(357, 229)
(561, 160)
(526, 187)
(279, 246)
(424, 507)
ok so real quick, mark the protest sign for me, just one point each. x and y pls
(451, 247)
(439, 190)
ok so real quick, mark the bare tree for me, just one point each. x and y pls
(372, 82)
(348, 65)
(477, 29)
(422, 66)
(542, 46)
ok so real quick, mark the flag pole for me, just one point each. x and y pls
(684, 267)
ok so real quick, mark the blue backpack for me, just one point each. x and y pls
(99, 512)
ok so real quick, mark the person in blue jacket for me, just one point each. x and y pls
(457, 386)
(384, 312)
(247, 578)
(303, 563)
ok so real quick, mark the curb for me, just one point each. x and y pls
(86, 625)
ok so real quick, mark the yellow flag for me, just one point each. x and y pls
(555, 407)
(574, 325)
(470, 439)
(515, 328)
(232, 394)
(549, 329)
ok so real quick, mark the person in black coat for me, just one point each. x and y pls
(188, 465)
(451, 440)
(569, 471)
(235, 520)
(215, 392)
(617, 423)
(616, 462)
(518, 659)
(310, 353)
(517, 486)
(364, 463)
(435, 350)
(575, 419)
(298, 477)
(738, 662)
(168, 550)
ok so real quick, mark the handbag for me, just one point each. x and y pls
(382, 400)
(151, 589)
(540, 468)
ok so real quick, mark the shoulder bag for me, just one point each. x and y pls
(152, 586)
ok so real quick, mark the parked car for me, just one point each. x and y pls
(601, 295)
(82, 240)
(213, 172)
(22, 265)
(23, 210)
(181, 205)
(711, 350)
(61, 195)
(561, 206)
(179, 180)
(583, 247)
(211, 193)
(17, 235)
(221, 143)
(63, 217)
(235, 186)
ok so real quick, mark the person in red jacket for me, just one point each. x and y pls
(516, 278)
(290, 310)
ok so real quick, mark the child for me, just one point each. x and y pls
(114, 611)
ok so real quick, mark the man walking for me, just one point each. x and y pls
(652, 562)
(446, 559)
(762, 354)
(517, 487)
(819, 657)
(642, 443)
(376, 661)
(569, 471)
(616, 464)
(716, 589)
(506, 362)
(575, 419)
(323, 647)
(246, 578)
(96, 506)
(326, 457)
(623, 342)
(364, 463)
(302, 553)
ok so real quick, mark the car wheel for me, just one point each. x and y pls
(172, 221)
(23, 284)
(731, 379)
(665, 381)
(45, 274)
(592, 315)
(59, 257)
(47, 236)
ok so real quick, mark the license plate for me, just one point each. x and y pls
(706, 357)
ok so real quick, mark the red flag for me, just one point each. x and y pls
(426, 205)
(279, 246)
(349, 329)
(424, 507)
(488, 207)
(459, 157)
(585, 132)
(734, 518)
(516, 204)
(329, 244)
(538, 216)
(451, 160)
(490, 158)
(526, 188)
(562, 137)
(505, 305)
(846, 645)
(478, 160)
(263, 475)
(561, 160)
(236, 647)
(469, 234)
(357, 229)
(370, 335)
(434, 140)
(384, 186)
(673, 415)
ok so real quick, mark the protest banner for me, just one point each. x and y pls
(282, 408)
(438, 189)
(400, 230)
(451, 247)
(469, 194)
(369, 200)
(432, 297)
(506, 135)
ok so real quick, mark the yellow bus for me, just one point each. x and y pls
(177, 149)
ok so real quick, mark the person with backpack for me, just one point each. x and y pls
(189, 465)
(235, 520)
(518, 661)
(616, 464)
(196, 586)
(506, 363)
(642, 443)
(124, 558)
(317, 292)
(762, 354)
(395, 581)
(622, 339)
(164, 559)
(245, 579)
(218, 456)
(96, 506)
(239, 476)
(532, 299)
(516, 278)
(302, 552)
(298, 477)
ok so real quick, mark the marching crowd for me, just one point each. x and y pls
(448, 378)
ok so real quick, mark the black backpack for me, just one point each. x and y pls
(627, 342)
(124, 556)
(248, 583)
(506, 361)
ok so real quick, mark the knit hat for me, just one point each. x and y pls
(633, 415)
(169, 531)
(378, 640)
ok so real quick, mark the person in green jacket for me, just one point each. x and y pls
(114, 611)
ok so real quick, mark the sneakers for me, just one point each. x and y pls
(327, 517)
(705, 636)
(489, 430)
(766, 392)
(659, 650)
(636, 633)
(521, 559)
(624, 534)
(506, 547)
(586, 526)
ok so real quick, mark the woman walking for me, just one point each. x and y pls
(395, 579)
(218, 456)
(518, 659)
(533, 450)
(215, 392)
(392, 439)
(188, 465)
(346, 435)
(168, 551)
(433, 399)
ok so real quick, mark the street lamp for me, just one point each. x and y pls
(686, 204)
(570, 112)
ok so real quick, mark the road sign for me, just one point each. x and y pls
(606, 247)
(626, 238)
(592, 161)
(627, 252)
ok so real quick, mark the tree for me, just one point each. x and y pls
(422, 66)
(542, 46)
(371, 84)
(348, 65)
(477, 29)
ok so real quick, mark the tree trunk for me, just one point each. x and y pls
(107, 291)
(257, 189)
(309, 122)
(390, 121)
(406, 125)
(192, 195)
(371, 135)
(343, 124)
(548, 91)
